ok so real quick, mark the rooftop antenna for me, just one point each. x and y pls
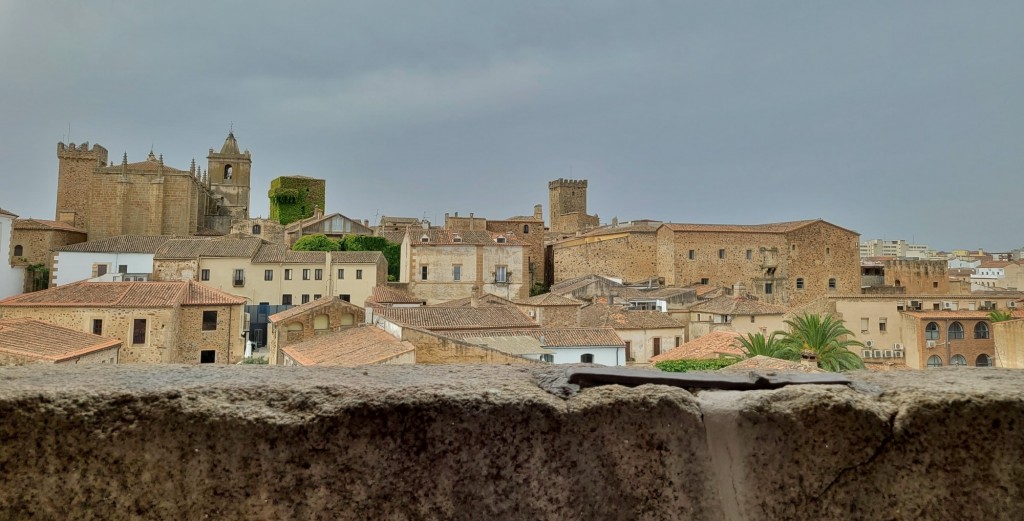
(231, 129)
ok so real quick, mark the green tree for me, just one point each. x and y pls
(774, 345)
(392, 252)
(318, 242)
(998, 315)
(825, 336)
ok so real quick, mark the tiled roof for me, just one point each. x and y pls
(517, 345)
(389, 295)
(994, 264)
(883, 367)
(34, 339)
(955, 314)
(448, 318)
(5, 212)
(119, 244)
(393, 237)
(663, 293)
(603, 315)
(730, 305)
(783, 227)
(125, 295)
(194, 248)
(487, 299)
(43, 224)
(276, 253)
(553, 336)
(549, 299)
(708, 346)
(363, 345)
(524, 218)
(448, 237)
(356, 257)
(298, 310)
(767, 363)
(624, 228)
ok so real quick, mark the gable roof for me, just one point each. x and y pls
(278, 253)
(125, 295)
(37, 340)
(730, 305)
(782, 227)
(389, 295)
(549, 299)
(194, 248)
(9, 214)
(356, 257)
(552, 336)
(119, 244)
(362, 345)
(43, 224)
(313, 221)
(711, 345)
(450, 318)
(309, 306)
(604, 315)
(487, 299)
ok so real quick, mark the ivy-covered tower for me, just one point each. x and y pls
(294, 197)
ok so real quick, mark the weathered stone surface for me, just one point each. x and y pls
(490, 442)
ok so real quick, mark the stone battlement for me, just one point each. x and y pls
(502, 442)
(70, 151)
(571, 183)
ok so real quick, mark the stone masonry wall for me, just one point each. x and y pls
(918, 277)
(433, 348)
(480, 442)
(225, 340)
(631, 257)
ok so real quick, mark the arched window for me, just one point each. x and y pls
(934, 361)
(981, 330)
(526, 228)
(956, 331)
(898, 283)
(831, 283)
(256, 229)
(983, 360)
(320, 322)
(18, 250)
(587, 358)
(228, 172)
(958, 360)
(931, 331)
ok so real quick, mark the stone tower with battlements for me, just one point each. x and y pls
(76, 165)
(568, 206)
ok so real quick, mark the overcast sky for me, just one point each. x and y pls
(895, 119)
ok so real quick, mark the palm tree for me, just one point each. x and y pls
(825, 336)
(755, 344)
(998, 315)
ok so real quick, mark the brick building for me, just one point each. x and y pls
(942, 338)
(149, 197)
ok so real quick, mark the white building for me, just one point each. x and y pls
(121, 258)
(12, 278)
(898, 248)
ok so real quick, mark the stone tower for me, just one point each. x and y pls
(74, 176)
(228, 172)
(568, 206)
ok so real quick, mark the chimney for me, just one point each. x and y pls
(615, 221)
(425, 224)
(579, 316)
(317, 212)
(474, 299)
(538, 212)
(366, 223)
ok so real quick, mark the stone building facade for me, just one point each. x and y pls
(305, 322)
(266, 229)
(627, 252)
(33, 242)
(528, 228)
(149, 197)
(918, 277)
(943, 338)
(568, 206)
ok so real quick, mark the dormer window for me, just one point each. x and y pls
(425, 238)
(256, 229)
(457, 239)
(500, 239)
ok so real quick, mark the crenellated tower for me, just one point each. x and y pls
(76, 165)
(568, 206)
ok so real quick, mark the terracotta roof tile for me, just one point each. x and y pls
(767, 363)
(203, 295)
(711, 345)
(389, 295)
(783, 227)
(193, 248)
(730, 305)
(33, 339)
(553, 336)
(487, 299)
(356, 257)
(603, 315)
(9, 214)
(120, 244)
(309, 306)
(125, 295)
(549, 299)
(42, 224)
(450, 318)
(442, 237)
(276, 253)
(363, 345)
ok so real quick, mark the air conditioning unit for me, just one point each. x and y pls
(869, 343)
(1012, 304)
(930, 344)
(888, 354)
(531, 313)
(897, 353)
(947, 305)
(865, 353)
(878, 353)
(897, 346)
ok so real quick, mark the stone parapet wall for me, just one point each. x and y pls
(475, 442)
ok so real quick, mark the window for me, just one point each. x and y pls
(139, 332)
(268, 274)
(587, 358)
(209, 320)
(341, 273)
(346, 297)
(316, 296)
(305, 298)
(934, 361)
(692, 255)
(359, 274)
(882, 324)
(864, 325)
(958, 360)
(931, 331)
(18, 250)
(831, 283)
(97, 326)
(500, 274)
(983, 360)
(500, 240)
(935, 284)
(793, 247)
(547, 358)
(526, 228)
(657, 345)
(122, 268)
(204, 274)
(256, 229)
(207, 356)
(799, 283)
(318, 274)
(981, 330)
(423, 272)
(239, 278)
(767, 288)
(705, 281)
(629, 351)
(828, 251)
(228, 172)
(679, 340)
(286, 300)
(457, 272)
(752, 318)
(99, 270)
(305, 274)
(721, 253)
(956, 332)
(750, 254)
(287, 274)
(426, 238)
